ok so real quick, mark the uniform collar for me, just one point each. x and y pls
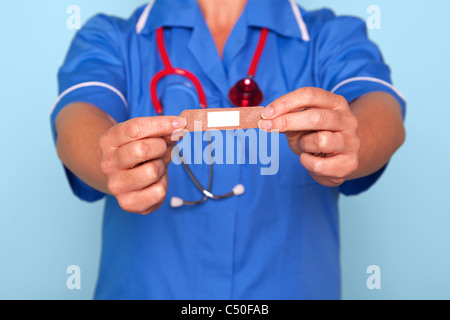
(281, 16)
(167, 13)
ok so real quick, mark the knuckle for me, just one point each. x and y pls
(151, 173)
(127, 203)
(113, 186)
(318, 166)
(282, 105)
(103, 141)
(310, 94)
(336, 117)
(106, 167)
(323, 140)
(139, 150)
(159, 126)
(319, 118)
(341, 100)
(285, 123)
(133, 129)
(159, 193)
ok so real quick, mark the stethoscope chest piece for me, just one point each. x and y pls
(246, 93)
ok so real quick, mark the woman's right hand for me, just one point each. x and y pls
(134, 157)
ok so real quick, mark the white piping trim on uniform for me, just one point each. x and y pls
(90, 84)
(144, 17)
(300, 21)
(387, 84)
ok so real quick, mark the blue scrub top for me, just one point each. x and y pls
(280, 239)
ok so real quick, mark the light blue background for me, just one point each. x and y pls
(401, 224)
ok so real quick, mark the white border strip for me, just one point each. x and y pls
(90, 84)
(300, 21)
(144, 17)
(387, 84)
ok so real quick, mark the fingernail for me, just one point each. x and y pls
(267, 113)
(179, 123)
(265, 124)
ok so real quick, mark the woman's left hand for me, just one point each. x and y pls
(321, 129)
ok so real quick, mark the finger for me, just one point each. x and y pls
(137, 178)
(309, 120)
(301, 99)
(144, 200)
(158, 205)
(140, 128)
(339, 166)
(293, 139)
(175, 137)
(167, 157)
(323, 142)
(139, 151)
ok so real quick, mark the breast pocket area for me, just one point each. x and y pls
(291, 172)
(177, 95)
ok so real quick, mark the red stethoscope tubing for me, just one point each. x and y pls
(259, 50)
(170, 70)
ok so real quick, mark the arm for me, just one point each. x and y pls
(128, 160)
(336, 141)
(381, 131)
(79, 127)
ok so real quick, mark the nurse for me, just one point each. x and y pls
(278, 240)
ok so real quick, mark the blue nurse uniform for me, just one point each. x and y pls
(280, 239)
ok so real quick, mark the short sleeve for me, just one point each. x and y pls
(92, 72)
(351, 65)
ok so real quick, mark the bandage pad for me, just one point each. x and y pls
(222, 118)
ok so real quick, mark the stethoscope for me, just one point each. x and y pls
(244, 93)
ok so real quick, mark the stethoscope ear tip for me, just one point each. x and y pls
(176, 202)
(238, 190)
